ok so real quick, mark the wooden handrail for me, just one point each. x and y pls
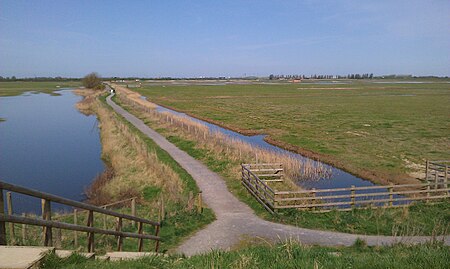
(65, 201)
(73, 227)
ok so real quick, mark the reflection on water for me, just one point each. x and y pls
(48, 145)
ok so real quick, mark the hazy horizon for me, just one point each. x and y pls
(232, 38)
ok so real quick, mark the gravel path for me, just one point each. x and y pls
(235, 220)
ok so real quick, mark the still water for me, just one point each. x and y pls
(48, 145)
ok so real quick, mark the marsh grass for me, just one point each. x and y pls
(419, 219)
(235, 149)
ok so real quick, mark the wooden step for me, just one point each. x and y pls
(15, 257)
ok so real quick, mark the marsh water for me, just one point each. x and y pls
(48, 145)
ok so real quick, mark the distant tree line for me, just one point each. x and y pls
(14, 78)
(315, 76)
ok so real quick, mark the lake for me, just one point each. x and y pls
(48, 145)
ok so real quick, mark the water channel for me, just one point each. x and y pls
(48, 145)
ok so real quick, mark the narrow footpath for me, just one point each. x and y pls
(235, 220)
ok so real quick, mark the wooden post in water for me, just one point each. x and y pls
(2, 223)
(75, 234)
(12, 237)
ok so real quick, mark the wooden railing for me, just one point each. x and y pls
(47, 223)
(260, 190)
(269, 172)
(437, 172)
(342, 199)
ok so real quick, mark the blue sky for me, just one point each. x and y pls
(223, 38)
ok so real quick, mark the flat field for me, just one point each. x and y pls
(380, 130)
(19, 87)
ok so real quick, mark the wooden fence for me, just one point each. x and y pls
(47, 223)
(437, 172)
(341, 199)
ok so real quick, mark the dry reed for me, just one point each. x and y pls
(235, 149)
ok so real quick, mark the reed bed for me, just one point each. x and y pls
(235, 149)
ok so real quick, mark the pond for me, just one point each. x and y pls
(48, 145)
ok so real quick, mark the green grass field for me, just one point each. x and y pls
(19, 87)
(376, 130)
(287, 255)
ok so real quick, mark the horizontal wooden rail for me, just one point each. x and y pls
(65, 201)
(73, 227)
(364, 188)
(360, 202)
(325, 197)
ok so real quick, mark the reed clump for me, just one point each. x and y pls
(235, 149)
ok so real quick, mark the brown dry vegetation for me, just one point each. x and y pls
(223, 146)
(132, 167)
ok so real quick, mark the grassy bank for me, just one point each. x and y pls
(420, 219)
(139, 168)
(288, 255)
(19, 87)
(380, 131)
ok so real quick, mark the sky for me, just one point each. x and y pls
(223, 38)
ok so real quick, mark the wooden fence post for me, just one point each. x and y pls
(157, 234)
(427, 164)
(140, 240)
(200, 203)
(436, 179)
(428, 192)
(119, 239)
(352, 196)
(90, 235)
(313, 192)
(391, 195)
(133, 209)
(2, 223)
(12, 237)
(75, 234)
(47, 215)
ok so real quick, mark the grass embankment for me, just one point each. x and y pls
(382, 132)
(288, 255)
(137, 168)
(420, 219)
(19, 87)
